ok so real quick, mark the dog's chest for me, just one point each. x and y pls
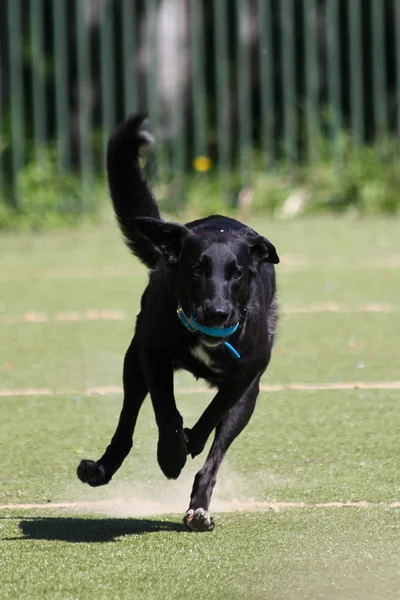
(207, 358)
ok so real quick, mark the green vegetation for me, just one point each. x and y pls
(360, 182)
(48, 199)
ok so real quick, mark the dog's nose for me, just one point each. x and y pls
(217, 314)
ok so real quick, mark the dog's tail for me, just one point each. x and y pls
(130, 193)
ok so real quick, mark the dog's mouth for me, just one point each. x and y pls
(216, 325)
(216, 322)
(212, 335)
(212, 329)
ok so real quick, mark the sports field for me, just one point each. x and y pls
(308, 500)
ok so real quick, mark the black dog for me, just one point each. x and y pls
(210, 281)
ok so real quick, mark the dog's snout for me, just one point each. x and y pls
(217, 313)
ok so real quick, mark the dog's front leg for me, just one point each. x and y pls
(172, 443)
(228, 395)
(197, 517)
(100, 472)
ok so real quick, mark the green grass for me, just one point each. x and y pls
(76, 356)
(301, 446)
(309, 554)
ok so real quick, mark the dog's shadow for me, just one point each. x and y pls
(75, 529)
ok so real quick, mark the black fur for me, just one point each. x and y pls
(222, 272)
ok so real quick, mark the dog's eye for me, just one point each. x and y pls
(236, 274)
(198, 270)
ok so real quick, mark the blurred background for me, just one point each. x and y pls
(274, 106)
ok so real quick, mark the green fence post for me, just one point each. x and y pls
(266, 59)
(379, 68)
(131, 101)
(153, 77)
(334, 85)
(179, 103)
(61, 70)
(2, 138)
(289, 81)
(198, 78)
(84, 102)
(243, 93)
(223, 112)
(107, 71)
(16, 92)
(312, 79)
(38, 75)
(356, 72)
(397, 10)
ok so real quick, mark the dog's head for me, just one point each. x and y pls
(211, 270)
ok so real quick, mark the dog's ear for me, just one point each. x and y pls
(166, 237)
(261, 249)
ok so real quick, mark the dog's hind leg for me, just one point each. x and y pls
(100, 472)
(197, 517)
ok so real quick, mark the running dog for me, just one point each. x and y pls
(210, 308)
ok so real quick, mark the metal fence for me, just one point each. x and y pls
(246, 83)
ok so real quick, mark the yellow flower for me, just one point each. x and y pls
(202, 164)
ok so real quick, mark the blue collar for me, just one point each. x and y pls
(191, 325)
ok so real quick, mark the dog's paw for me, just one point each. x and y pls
(172, 452)
(198, 520)
(92, 473)
(194, 446)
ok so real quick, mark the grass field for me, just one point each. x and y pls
(307, 502)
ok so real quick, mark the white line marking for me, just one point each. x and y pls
(91, 314)
(371, 307)
(348, 385)
(108, 314)
(67, 273)
(26, 392)
(278, 387)
(220, 506)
